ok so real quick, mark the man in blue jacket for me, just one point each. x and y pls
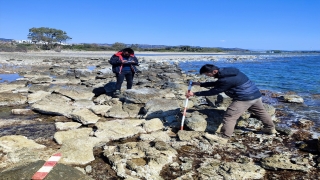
(124, 64)
(244, 93)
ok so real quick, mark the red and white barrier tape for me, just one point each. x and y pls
(47, 167)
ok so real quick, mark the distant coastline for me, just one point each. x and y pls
(39, 56)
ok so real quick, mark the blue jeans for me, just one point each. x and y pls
(120, 77)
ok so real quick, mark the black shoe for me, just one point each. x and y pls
(116, 93)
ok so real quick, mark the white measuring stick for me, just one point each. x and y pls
(185, 107)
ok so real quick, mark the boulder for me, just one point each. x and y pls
(215, 169)
(117, 129)
(10, 99)
(61, 126)
(62, 136)
(78, 151)
(15, 142)
(281, 162)
(292, 98)
(9, 87)
(75, 92)
(141, 95)
(159, 108)
(129, 159)
(153, 125)
(85, 116)
(36, 96)
(54, 104)
(196, 122)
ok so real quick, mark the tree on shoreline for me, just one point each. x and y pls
(48, 37)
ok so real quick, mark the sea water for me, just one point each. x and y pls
(279, 74)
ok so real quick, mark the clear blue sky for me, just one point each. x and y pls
(249, 24)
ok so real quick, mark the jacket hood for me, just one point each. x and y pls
(227, 72)
(119, 54)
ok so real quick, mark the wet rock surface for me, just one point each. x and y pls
(59, 105)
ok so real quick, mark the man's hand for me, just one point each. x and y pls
(196, 83)
(189, 94)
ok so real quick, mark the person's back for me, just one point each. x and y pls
(240, 87)
(233, 83)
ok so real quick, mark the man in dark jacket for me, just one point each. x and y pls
(242, 90)
(124, 65)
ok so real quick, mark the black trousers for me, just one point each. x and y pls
(120, 77)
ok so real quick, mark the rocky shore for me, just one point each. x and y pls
(63, 103)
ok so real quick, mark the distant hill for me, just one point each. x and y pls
(6, 40)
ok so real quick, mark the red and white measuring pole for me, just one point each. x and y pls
(185, 107)
(47, 167)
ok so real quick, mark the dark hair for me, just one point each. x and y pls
(208, 68)
(129, 50)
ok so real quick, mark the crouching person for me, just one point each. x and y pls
(244, 93)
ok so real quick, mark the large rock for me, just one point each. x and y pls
(10, 87)
(39, 79)
(156, 136)
(10, 99)
(78, 151)
(116, 111)
(83, 103)
(141, 95)
(292, 98)
(81, 133)
(60, 171)
(132, 109)
(117, 129)
(66, 80)
(189, 135)
(281, 162)
(85, 116)
(196, 122)
(158, 108)
(61, 126)
(39, 87)
(215, 169)
(100, 109)
(54, 104)
(16, 142)
(129, 159)
(36, 96)
(153, 125)
(16, 150)
(107, 70)
(75, 92)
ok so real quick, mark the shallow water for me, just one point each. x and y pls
(32, 126)
(9, 77)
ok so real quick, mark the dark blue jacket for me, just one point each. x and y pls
(117, 62)
(233, 83)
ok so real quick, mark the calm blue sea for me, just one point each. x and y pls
(298, 73)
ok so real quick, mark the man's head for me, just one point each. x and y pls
(127, 52)
(209, 70)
